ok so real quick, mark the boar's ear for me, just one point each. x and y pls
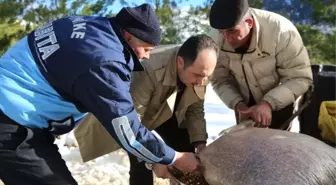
(246, 124)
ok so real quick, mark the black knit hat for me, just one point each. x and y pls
(225, 14)
(141, 22)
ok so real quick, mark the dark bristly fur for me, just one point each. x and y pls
(257, 156)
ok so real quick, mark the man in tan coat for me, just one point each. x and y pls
(263, 66)
(169, 98)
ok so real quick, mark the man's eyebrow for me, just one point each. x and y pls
(229, 30)
(198, 74)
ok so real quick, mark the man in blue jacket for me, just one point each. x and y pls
(51, 78)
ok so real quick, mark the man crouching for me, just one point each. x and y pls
(169, 98)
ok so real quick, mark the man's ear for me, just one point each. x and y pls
(180, 62)
(250, 22)
(128, 37)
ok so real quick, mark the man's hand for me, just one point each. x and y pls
(239, 108)
(261, 114)
(162, 171)
(186, 162)
(199, 146)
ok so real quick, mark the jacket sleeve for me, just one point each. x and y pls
(104, 91)
(142, 88)
(294, 69)
(222, 81)
(196, 123)
(225, 85)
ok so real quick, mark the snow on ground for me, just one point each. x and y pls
(112, 169)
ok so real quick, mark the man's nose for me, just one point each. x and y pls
(143, 56)
(201, 81)
(146, 55)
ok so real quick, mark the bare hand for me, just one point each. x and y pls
(162, 171)
(199, 147)
(186, 162)
(240, 107)
(261, 114)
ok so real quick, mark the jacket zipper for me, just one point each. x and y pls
(251, 98)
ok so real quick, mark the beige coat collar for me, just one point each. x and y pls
(168, 74)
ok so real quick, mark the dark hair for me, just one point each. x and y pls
(193, 45)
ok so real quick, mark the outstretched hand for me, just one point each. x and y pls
(199, 147)
(186, 162)
(241, 107)
(162, 171)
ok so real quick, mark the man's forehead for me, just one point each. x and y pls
(229, 29)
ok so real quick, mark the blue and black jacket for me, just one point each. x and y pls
(51, 78)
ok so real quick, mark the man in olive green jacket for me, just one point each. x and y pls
(169, 98)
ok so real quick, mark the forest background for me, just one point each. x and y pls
(315, 19)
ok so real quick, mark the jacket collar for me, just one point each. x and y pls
(127, 48)
(168, 74)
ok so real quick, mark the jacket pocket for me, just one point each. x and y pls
(13, 141)
(263, 67)
(12, 134)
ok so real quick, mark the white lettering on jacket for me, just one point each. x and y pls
(46, 41)
(79, 28)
